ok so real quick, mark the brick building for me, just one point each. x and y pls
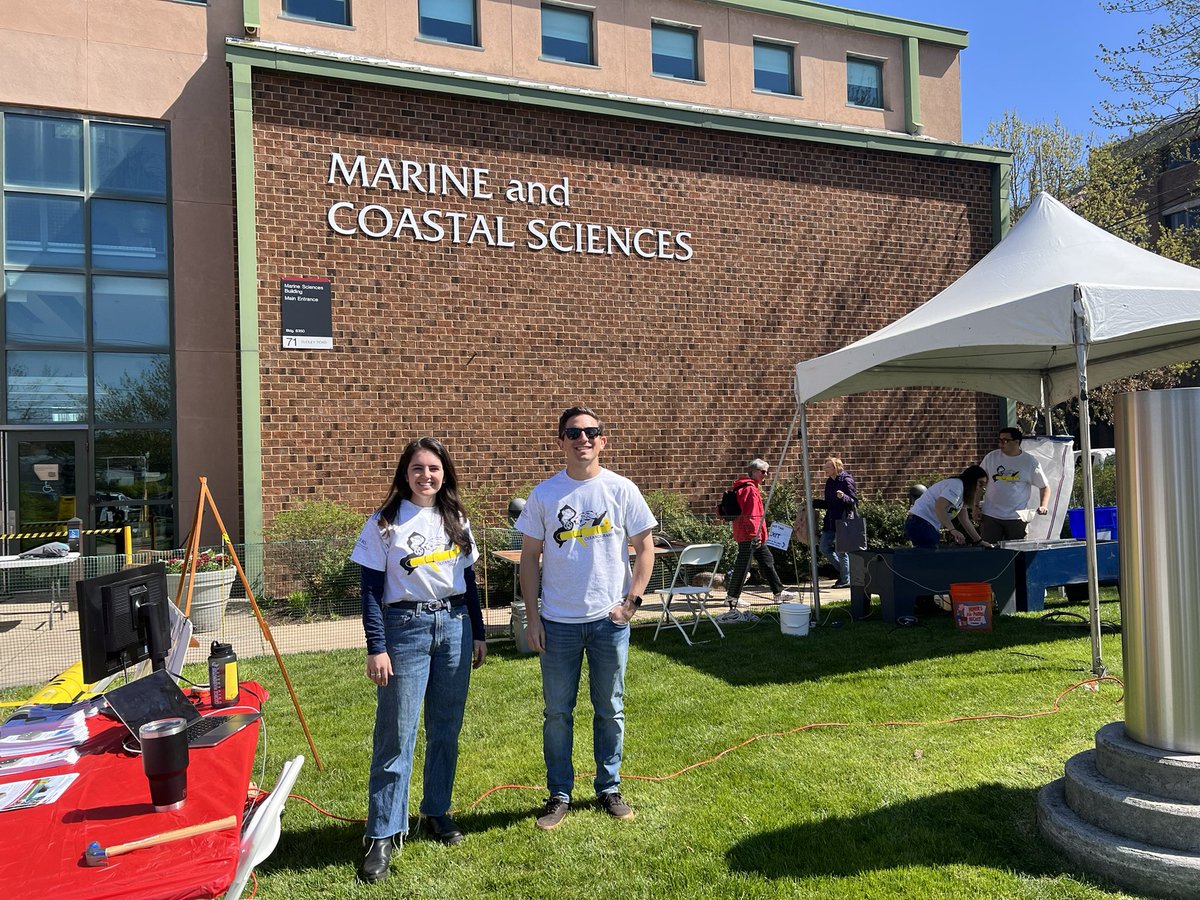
(375, 221)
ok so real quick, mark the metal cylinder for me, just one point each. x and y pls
(1158, 502)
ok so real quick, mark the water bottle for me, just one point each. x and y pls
(222, 675)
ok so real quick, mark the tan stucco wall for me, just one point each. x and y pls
(511, 46)
(165, 61)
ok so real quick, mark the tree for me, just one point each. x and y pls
(1156, 77)
(1047, 156)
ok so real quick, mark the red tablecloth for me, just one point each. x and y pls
(41, 849)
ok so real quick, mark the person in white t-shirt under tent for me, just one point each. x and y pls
(1011, 473)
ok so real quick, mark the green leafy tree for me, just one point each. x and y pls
(1047, 156)
(1156, 76)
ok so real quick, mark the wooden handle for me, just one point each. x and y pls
(176, 835)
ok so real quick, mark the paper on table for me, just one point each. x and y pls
(34, 792)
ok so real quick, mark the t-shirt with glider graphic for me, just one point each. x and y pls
(420, 561)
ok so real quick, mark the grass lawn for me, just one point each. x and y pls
(920, 810)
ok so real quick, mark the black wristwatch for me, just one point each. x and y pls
(637, 601)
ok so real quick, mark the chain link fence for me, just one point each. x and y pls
(307, 591)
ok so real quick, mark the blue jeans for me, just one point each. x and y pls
(606, 645)
(923, 535)
(431, 666)
(841, 560)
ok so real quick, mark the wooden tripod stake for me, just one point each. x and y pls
(189, 567)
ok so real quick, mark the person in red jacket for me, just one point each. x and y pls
(750, 532)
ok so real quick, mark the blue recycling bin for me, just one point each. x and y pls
(1105, 519)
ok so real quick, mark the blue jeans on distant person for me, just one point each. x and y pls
(841, 560)
(431, 666)
(606, 645)
(922, 534)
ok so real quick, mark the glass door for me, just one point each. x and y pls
(45, 485)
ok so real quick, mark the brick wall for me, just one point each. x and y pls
(799, 249)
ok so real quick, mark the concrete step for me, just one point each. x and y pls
(1171, 776)
(1128, 812)
(1132, 865)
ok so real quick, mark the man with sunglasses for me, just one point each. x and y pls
(1011, 473)
(581, 524)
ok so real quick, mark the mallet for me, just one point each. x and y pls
(95, 855)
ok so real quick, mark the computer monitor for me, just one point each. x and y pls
(123, 619)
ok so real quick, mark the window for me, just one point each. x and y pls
(453, 21)
(1184, 218)
(86, 296)
(1181, 154)
(674, 52)
(567, 35)
(332, 12)
(773, 68)
(864, 83)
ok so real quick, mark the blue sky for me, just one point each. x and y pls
(1037, 57)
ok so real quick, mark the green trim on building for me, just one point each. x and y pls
(912, 86)
(876, 23)
(251, 18)
(386, 73)
(247, 288)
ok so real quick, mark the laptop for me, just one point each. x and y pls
(157, 696)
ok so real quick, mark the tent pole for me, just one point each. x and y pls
(1089, 500)
(1047, 408)
(810, 514)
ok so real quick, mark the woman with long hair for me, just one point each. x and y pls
(943, 504)
(424, 632)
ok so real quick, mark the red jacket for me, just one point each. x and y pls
(751, 524)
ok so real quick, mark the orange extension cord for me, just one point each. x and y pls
(1054, 708)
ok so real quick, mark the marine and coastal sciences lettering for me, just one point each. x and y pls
(382, 221)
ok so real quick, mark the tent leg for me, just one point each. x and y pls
(810, 513)
(1089, 500)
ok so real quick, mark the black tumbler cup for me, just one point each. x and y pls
(165, 761)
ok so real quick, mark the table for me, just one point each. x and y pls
(11, 563)
(899, 575)
(110, 803)
(1044, 564)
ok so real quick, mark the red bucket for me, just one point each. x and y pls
(971, 604)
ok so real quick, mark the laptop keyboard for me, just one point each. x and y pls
(203, 726)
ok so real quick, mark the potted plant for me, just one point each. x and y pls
(210, 591)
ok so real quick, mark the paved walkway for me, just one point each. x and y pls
(32, 652)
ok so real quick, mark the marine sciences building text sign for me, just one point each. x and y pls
(394, 221)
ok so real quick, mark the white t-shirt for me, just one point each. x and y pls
(584, 527)
(1009, 481)
(926, 504)
(420, 561)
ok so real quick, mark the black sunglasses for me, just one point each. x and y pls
(573, 434)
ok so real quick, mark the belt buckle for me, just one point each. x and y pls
(436, 605)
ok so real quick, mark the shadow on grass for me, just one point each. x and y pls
(841, 645)
(990, 826)
(331, 843)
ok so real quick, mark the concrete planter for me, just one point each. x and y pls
(210, 593)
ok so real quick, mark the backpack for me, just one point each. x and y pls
(729, 507)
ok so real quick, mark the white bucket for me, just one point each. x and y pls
(793, 618)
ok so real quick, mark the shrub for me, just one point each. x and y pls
(1104, 485)
(316, 538)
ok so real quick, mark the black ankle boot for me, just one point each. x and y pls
(444, 829)
(374, 866)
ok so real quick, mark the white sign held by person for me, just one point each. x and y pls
(779, 536)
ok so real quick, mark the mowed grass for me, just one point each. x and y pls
(860, 809)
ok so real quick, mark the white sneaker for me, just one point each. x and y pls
(739, 603)
(785, 596)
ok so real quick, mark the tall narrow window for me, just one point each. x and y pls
(864, 82)
(452, 21)
(332, 12)
(567, 35)
(674, 51)
(773, 69)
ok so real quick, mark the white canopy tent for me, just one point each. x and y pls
(1055, 305)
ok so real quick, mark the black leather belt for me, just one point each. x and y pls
(430, 605)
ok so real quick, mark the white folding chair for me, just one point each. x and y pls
(692, 559)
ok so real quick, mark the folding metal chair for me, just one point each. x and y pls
(692, 559)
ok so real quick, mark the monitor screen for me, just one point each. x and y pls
(123, 619)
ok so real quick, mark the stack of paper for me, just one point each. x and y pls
(26, 740)
(47, 717)
(23, 794)
(53, 759)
